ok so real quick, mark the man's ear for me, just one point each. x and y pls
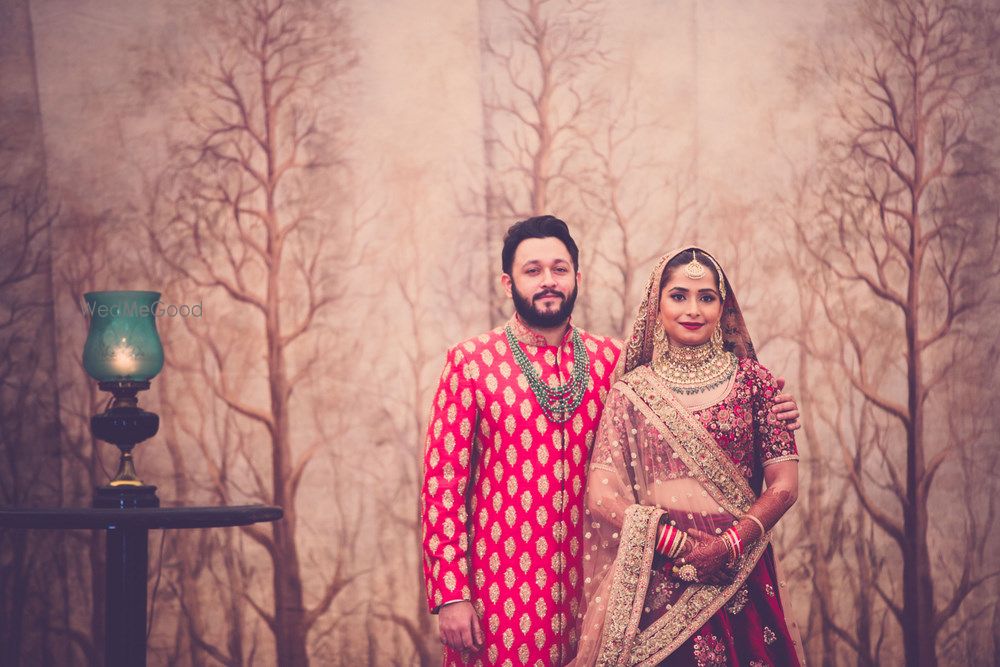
(508, 283)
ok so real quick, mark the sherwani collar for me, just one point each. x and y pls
(528, 336)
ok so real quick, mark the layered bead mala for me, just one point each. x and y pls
(560, 402)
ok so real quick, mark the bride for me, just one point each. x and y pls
(678, 565)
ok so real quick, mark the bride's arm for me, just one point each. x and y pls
(782, 481)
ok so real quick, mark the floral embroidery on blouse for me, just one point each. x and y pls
(769, 589)
(743, 424)
(709, 651)
(769, 636)
(758, 663)
(738, 601)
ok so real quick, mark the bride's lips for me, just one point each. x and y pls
(692, 326)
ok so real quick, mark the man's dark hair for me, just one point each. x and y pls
(539, 227)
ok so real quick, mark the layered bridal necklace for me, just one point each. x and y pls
(694, 370)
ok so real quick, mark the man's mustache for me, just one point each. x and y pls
(542, 295)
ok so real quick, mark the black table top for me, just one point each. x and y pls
(155, 517)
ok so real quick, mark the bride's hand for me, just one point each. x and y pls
(708, 555)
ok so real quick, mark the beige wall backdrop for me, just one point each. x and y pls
(331, 179)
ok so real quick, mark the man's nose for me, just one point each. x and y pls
(548, 278)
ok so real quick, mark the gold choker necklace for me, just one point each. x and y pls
(695, 369)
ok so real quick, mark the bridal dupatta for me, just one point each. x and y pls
(651, 457)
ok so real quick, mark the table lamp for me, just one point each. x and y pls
(123, 353)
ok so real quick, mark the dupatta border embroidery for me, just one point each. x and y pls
(627, 593)
(697, 603)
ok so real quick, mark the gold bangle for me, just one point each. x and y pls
(756, 521)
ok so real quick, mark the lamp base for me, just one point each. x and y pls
(125, 497)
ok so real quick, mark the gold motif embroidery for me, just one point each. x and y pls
(525, 439)
(525, 535)
(737, 603)
(508, 396)
(541, 546)
(526, 501)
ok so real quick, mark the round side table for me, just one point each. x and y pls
(128, 557)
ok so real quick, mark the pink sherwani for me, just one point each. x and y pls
(503, 494)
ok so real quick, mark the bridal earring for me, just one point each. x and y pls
(717, 336)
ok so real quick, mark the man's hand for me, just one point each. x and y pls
(459, 626)
(785, 407)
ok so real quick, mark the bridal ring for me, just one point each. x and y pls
(686, 572)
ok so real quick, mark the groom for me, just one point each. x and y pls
(512, 425)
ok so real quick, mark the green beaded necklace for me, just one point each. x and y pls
(558, 403)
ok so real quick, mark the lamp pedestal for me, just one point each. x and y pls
(125, 425)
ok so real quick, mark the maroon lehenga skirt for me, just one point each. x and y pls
(749, 631)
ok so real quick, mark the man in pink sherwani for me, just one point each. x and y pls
(508, 443)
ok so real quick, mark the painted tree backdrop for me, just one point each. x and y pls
(331, 179)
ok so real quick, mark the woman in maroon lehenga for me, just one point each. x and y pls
(689, 473)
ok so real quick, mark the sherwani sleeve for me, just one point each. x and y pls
(447, 456)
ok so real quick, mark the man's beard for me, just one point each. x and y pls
(543, 320)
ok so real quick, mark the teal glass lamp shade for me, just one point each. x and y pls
(122, 344)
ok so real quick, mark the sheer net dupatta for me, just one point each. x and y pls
(651, 456)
